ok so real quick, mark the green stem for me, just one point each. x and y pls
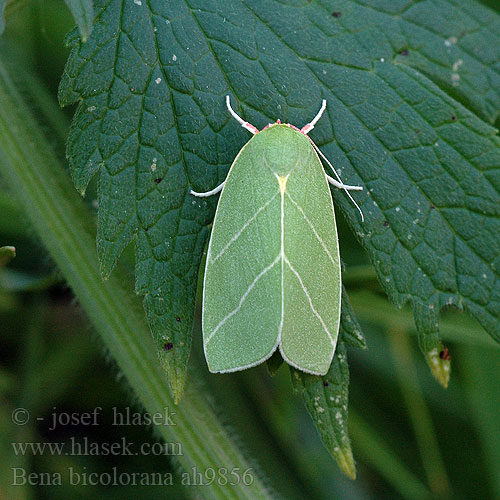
(65, 227)
(11, 221)
(54, 116)
(374, 451)
(480, 369)
(419, 413)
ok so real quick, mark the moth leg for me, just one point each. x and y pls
(339, 182)
(347, 188)
(238, 118)
(340, 185)
(208, 193)
(307, 128)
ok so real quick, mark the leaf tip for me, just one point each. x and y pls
(83, 14)
(177, 395)
(439, 362)
(105, 271)
(175, 380)
(7, 254)
(345, 460)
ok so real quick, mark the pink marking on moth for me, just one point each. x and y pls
(304, 130)
(278, 122)
(253, 129)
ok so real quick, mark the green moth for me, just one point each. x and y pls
(272, 277)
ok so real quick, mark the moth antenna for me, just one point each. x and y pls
(307, 128)
(345, 188)
(238, 118)
(208, 193)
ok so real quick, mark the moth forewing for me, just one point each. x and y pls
(239, 331)
(312, 269)
(272, 274)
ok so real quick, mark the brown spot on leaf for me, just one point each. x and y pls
(445, 354)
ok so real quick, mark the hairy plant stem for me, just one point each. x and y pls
(66, 228)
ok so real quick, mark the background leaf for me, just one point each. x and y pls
(7, 253)
(327, 397)
(350, 331)
(274, 363)
(83, 12)
(151, 120)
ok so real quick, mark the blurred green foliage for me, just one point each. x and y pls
(411, 438)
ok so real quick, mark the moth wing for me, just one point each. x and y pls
(242, 285)
(312, 281)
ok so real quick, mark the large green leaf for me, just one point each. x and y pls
(151, 80)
